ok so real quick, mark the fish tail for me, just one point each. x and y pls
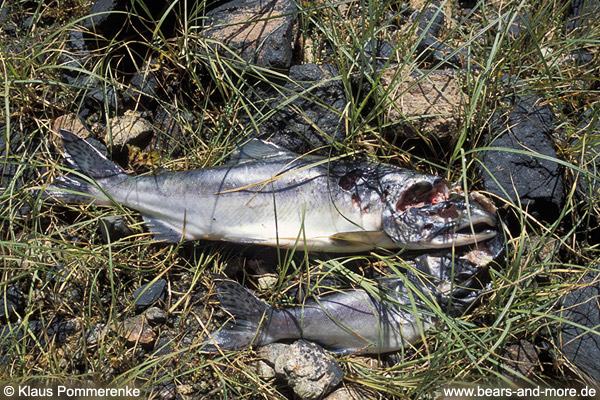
(247, 320)
(86, 161)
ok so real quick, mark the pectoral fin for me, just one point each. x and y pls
(372, 238)
(161, 231)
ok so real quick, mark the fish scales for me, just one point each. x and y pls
(271, 196)
(223, 203)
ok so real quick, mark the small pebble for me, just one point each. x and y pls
(149, 294)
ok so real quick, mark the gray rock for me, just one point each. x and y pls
(306, 367)
(535, 182)
(113, 228)
(156, 316)
(129, 129)
(168, 136)
(98, 96)
(429, 25)
(260, 32)
(149, 294)
(144, 85)
(11, 302)
(378, 53)
(584, 13)
(589, 146)
(581, 345)
(313, 117)
(14, 169)
(519, 23)
(350, 393)
(95, 334)
(522, 358)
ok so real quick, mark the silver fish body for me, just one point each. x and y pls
(273, 197)
(348, 321)
(393, 314)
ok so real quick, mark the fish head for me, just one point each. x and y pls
(426, 215)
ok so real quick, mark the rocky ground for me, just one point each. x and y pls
(499, 97)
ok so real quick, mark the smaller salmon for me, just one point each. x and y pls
(354, 321)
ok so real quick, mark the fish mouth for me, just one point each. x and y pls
(477, 229)
(451, 223)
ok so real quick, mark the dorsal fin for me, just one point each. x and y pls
(257, 149)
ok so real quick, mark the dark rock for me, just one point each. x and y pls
(306, 367)
(581, 345)
(11, 158)
(103, 11)
(523, 359)
(164, 346)
(11, 302)
(77, 41)
(584, 14)
(59, 273)
(430, 20)
(430, 23)
(258, 31)
(144, 85)
(77, 58)
(168, 392)
(109, 22)
(16, 171)
(3, 13)
(588, 159)
(114, 19)
(378, 53)
(534, 183)
(59, 330)
(588, 144)
(56, 331)
(113, 228)
(519, 24)
(149, 294)
(579, 58)
(168, 137)
(101, 97)
(313, 118)
(156, 316)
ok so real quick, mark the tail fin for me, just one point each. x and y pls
(245, 326)
(85, 159)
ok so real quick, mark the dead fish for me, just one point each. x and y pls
(345, 321)
(270, 196)
(391, 315)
